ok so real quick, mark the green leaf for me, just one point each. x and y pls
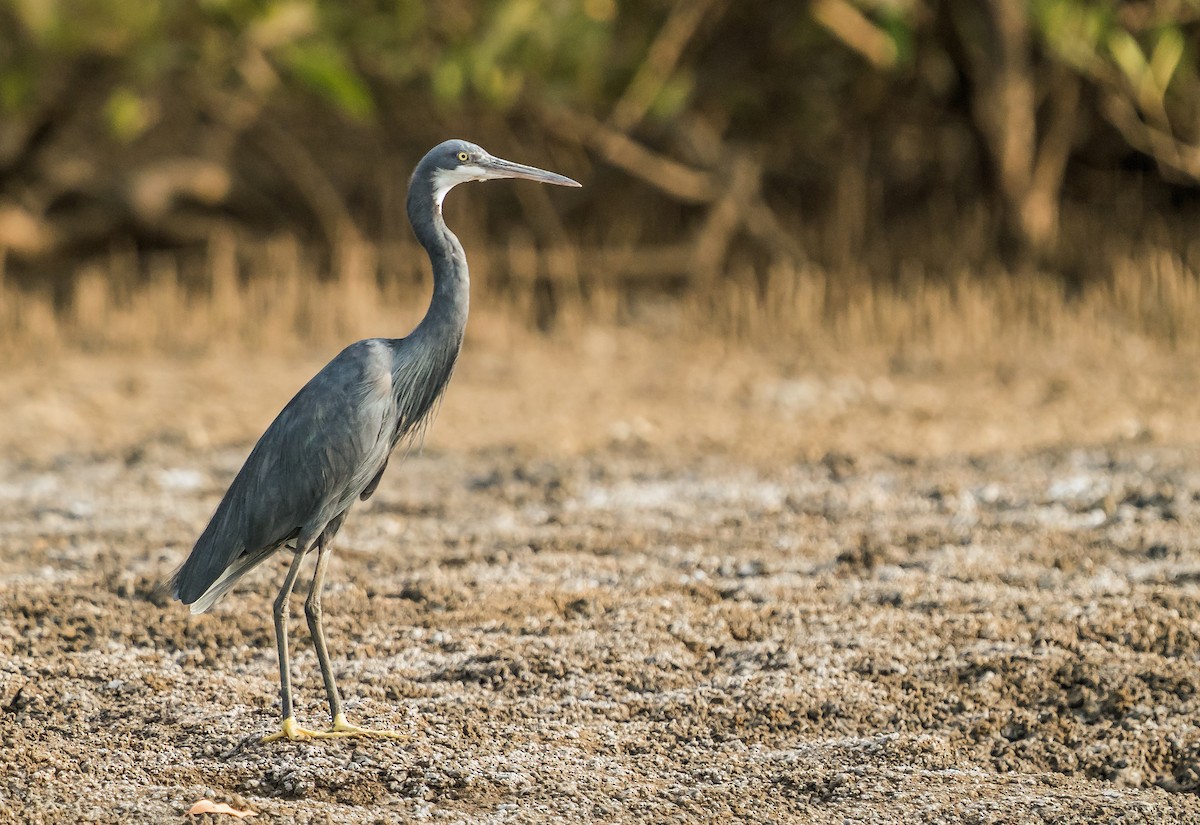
(324, 70)
(1128, 55)
(673, 97)
(448, 81)
(127, 114)
(1165, 58)
(16, 88)
(1074, 30)
(897, 22)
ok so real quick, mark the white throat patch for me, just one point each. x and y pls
(446, 179)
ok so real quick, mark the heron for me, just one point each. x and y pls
(329, 447)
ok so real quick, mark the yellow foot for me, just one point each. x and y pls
(292, 732)
(341, 729)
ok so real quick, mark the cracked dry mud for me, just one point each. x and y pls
(819, 605)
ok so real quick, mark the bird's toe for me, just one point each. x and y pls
(292, 732)
(343, 729)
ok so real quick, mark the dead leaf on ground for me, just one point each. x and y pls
(207, 806)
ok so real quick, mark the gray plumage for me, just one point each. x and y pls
(326, 449)
(330, 445)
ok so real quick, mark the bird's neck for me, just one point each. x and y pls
(446, 317)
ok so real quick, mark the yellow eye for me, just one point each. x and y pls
(462, 157)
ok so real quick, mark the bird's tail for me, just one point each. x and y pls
(240, 567)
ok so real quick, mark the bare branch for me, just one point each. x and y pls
(669, 176)
(1040, 212)
(853, 28)
(297, 164)
(1170, 152)
(661, 59)
(725, 217)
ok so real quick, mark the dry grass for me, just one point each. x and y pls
(276, 294)
(1156, 297)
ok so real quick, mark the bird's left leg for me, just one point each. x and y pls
(289, 730)
(312, 610)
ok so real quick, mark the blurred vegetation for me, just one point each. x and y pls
(884, 141)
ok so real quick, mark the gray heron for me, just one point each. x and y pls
(330, 445)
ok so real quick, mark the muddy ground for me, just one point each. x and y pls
(627, 580)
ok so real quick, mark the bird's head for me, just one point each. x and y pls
(458, 161)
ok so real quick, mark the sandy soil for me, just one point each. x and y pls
(627, 579)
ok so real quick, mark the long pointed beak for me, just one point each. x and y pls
(494, 168)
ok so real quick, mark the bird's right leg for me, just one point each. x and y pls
(312, 609)
(290, 730)
(316, 628)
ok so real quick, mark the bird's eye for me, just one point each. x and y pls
(462, 157)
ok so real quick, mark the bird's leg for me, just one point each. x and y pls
(312, 610)
(289, 730)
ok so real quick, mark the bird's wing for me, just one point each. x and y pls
(374, 483)
(314, 459)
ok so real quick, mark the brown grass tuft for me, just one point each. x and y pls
(277, 294)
